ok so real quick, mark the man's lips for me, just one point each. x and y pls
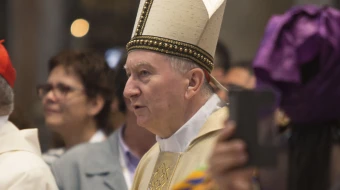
(136, 107)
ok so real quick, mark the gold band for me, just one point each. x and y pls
(172, 47)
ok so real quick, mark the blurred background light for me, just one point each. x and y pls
(80, 27)
(112, 56)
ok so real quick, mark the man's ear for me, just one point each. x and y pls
(95, 105)
(196, 80)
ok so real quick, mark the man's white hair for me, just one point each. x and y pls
(6, 97)
(182, 65)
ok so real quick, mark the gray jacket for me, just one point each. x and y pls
(91, 167)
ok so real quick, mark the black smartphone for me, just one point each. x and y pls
(254, 114)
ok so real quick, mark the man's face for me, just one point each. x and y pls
(155, 90)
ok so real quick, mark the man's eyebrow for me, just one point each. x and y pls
(143, 63)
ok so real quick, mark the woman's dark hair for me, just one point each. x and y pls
(120, 81)
(94, 74)
(222, 57)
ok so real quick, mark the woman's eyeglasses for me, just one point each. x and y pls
(60, 90)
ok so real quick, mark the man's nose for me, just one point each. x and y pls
(131, 89)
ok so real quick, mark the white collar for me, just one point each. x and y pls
(181, 139)
(99, 136)
(3, 120)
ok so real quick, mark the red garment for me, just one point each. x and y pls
(6, 69)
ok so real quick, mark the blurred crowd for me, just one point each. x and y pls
(160, 118)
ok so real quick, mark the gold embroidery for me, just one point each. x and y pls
(163, 171)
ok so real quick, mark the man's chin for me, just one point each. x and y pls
(142, 122)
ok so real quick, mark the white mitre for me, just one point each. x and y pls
(184, 28)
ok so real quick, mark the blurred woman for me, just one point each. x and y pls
(76, 99)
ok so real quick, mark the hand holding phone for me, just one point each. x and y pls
(253, 113)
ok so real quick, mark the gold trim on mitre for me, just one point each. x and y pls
(143, 17)
(187, 29)
(173, 47)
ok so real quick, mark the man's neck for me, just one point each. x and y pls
(190, 130)
(190, 110)
(138, 139)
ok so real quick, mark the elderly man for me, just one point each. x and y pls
(169, 65)
(21, 165)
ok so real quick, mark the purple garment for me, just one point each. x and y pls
(131, 161)
(299, 57)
